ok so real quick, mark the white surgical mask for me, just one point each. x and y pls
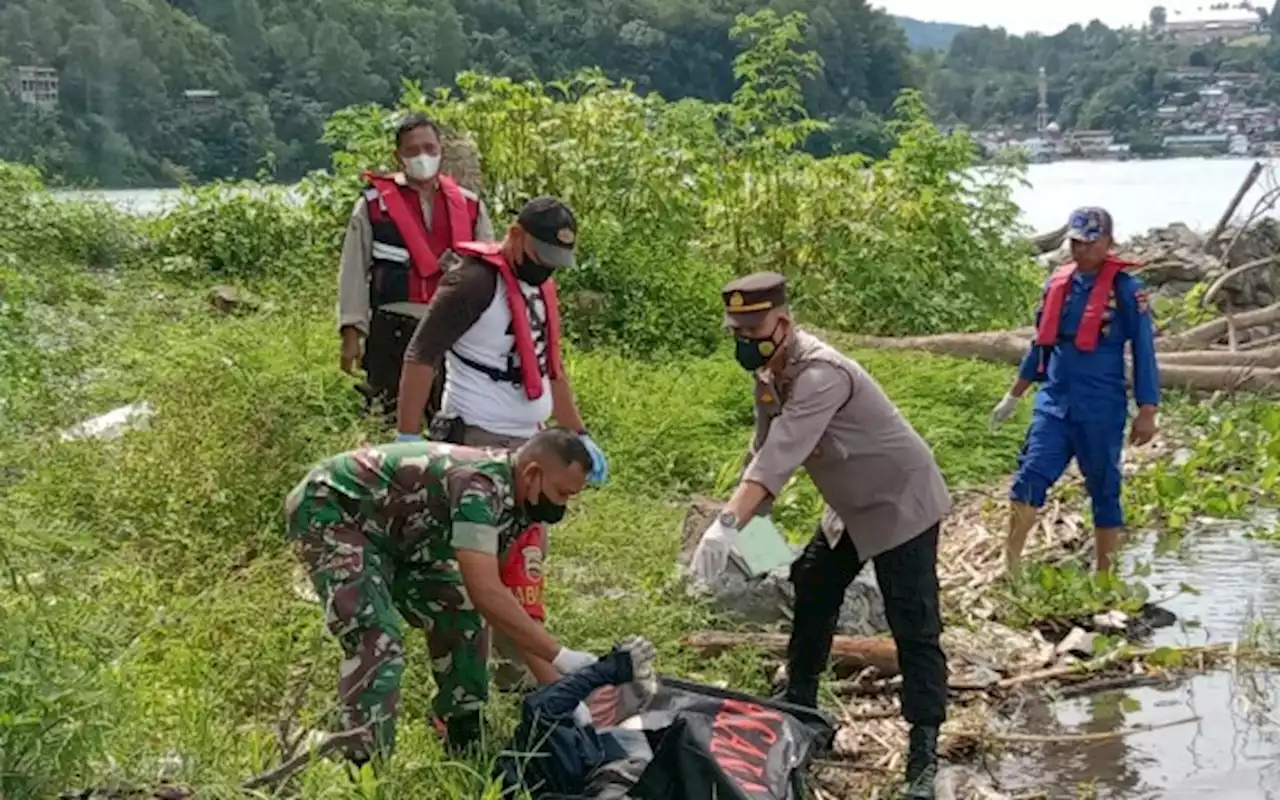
(422, 168)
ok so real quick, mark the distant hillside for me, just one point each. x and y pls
(928, 35)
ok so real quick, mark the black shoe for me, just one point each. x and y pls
(803, 693)
(922, 764)
(355, 763)
(463, 734)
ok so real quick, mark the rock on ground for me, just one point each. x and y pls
(770, 600)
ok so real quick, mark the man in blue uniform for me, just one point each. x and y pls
(1090, 309)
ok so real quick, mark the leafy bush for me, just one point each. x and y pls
(675, 198)
(243, 231)
(39, 227)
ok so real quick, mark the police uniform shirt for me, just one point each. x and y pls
(824, 412)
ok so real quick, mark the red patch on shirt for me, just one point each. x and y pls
(1144, 301)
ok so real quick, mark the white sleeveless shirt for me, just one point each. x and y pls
(499, 407)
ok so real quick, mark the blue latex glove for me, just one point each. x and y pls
(408, 437)
(599, 465)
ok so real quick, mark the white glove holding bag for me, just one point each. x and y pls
(1003, 410)
(569, 661)
(712, 556)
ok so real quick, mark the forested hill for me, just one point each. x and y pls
(126, 116)
(1101, 77)
(923, 35)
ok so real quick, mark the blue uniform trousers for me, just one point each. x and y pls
(1096, 445)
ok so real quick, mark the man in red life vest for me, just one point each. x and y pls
(494, 322)
(400, 227)
(1090, 309)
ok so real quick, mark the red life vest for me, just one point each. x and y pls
(1055, 300)
(522, 572)
(530, 375)
(403, 208)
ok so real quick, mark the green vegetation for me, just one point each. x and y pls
(1043, 592)
(282, 67)
(151, 612)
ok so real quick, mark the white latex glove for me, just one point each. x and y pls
(712, 555)
(569, 661)
(643, 654)
(1003, 410)
(582, 716)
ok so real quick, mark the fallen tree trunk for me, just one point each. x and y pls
(999, 346)
(849, 654)
(1199, 370)
(1202, 336)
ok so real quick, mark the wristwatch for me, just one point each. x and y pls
(729, 520)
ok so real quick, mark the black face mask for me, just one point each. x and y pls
(533, 273)
(545, 511)
(754, 353)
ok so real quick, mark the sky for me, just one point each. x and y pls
(1043, 16)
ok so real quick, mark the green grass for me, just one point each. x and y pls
(149, 578)
(146, 593)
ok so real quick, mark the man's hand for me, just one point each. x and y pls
(1144, 427)
(1003, 410)
(567, 661)
(351, 350)
(712, 555)
(599, 465)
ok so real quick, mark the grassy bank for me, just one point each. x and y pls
(150, 604)
(149, 588)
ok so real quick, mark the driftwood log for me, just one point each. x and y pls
(1187, 361)
(850, 655)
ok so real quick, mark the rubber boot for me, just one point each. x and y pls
(922, 764)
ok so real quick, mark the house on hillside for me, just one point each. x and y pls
(1197, 144)
(1225, 25)
(36, 86)
(1089, 143)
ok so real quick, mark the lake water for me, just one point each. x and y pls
(1232, 750)
(1139, 194)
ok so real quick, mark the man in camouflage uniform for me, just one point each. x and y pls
(418, 529)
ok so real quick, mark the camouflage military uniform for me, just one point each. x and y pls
(377, 529)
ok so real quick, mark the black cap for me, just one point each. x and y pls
(747, 301)
(553, 228)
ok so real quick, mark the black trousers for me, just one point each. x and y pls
(908, 578)
(384, 349)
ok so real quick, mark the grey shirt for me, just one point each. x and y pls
(357, 260)
(824, 412)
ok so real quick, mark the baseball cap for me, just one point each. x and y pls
(1089, 224)
(553, 229)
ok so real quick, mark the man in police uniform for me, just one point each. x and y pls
(1090, 309)
(885, 499)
